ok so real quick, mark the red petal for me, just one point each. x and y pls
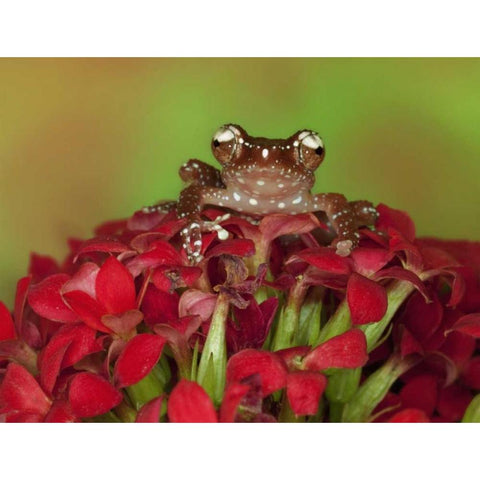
(292, 356)
(84, 279)
(102, 244)
(137, 359)
(21, 417)
(46, 301)
(87, 309)
(270, 367)
(91, 395)
(189, 403)
(459, 347)
(409, 344)
(453, 401)
(162, 254)
(397, 243)
(115, 288)
(42, 266)
(275, 225)
(18, 351)
(231, 401)
(80, 340)
(150, 412)
(400, 273)
(123, 324)
(367, 300)
(241, 247)
(348, 350)
(471, 374)
(304, 390)
(469, 324)
(7, 328)
(251, 325)
(167, 278)
(196, 302)
(49, 365)
(179, 330)
(459, 287)
(367, 261)
(20, 392)
(397, 219)
(422, 319)
(20, 298)
(326, 260)
(60, 412)
(159, 307)
(111, 227)
(420, 393)
(410, 415)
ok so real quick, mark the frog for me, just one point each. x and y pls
(261, 176)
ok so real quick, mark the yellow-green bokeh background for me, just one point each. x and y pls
(86, 140)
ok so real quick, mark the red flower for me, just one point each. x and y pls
(247, 324)
(93, 293)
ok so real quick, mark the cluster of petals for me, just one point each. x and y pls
(127, 304)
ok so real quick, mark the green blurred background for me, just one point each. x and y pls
(87, 140)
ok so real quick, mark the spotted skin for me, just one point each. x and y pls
(260, 176)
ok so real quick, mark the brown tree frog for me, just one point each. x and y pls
(260, 176)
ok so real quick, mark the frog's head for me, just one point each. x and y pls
(280, 166)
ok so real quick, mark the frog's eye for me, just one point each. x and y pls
(224, 143)
(311, 149)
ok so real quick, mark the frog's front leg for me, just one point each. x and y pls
(342, 216)
(205, 184)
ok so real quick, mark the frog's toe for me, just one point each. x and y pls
(192, 236)
(192, 242)
(344, 248)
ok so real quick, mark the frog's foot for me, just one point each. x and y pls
(365, 212)
(344, 246)
(192, 235)
(164, 207)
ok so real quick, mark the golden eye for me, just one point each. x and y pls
(311, 149)
(224, 143)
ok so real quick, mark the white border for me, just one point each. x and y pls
(245, 451)
(238, 28)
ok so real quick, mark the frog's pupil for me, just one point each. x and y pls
(216, 143)
(319, 150)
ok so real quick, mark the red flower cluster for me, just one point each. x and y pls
(270, 325)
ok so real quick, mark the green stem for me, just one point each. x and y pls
(287, 327)
(125, 413)
(341, 321)
(311, 317)
(472, 413)
(286, 413)
(335, 412)
(397, 292)
(213, 362)
(343, 384)
(150, 386)
(337, 324)
(373, 389)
